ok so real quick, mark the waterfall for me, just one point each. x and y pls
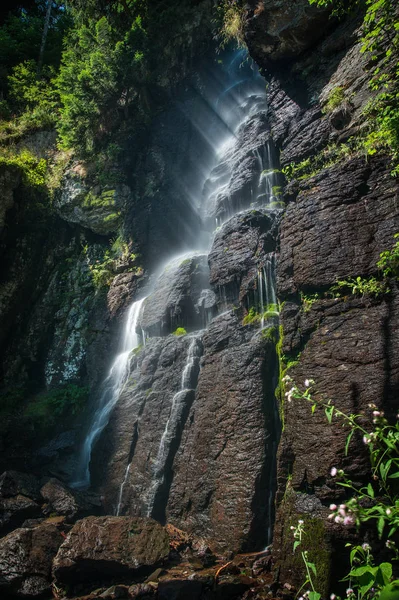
(237, 175)
(187, 384)
(111, 390)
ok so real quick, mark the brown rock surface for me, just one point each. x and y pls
(224, 467)
(101, 548)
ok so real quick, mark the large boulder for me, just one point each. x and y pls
(65, 502)
(277, 31)
(133, 461)
(26, 556)
(103, 548)
(342, 219)
(19, 499)
(224, 468)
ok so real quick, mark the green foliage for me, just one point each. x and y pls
(377, 501)
(389, 261)
(179, 331)
(104, 268)
(360, 286)
(103, 71)
(308, 300)
(46, 410)
(310, 567)
(335, 98)
(383, 133)
(380, 39)
(329, 156)
(33, 169)
(231, 13)
(270, 334)
(255, 318)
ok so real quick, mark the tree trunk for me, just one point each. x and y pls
(44, 37)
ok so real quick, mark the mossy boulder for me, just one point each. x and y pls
(98, 207)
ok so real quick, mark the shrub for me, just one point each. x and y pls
(180, 331)
(335, 98)
(47, 409)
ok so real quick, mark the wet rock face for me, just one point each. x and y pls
(238, 250)
(236, 181)
(181, 298)
(146, 425)
(352, 209)
(26, 556)
(335, 226)
(102, 548)
(277, 31)
(224, 466)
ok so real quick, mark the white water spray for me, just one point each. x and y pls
(111, 390)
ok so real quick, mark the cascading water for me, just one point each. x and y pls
(188, 383)
(111, 390)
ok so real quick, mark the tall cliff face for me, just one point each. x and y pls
(337, 222)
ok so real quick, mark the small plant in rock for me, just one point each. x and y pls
(232, 28)
(389, 261)
(361, 286)
(335, 99)
(308, 300)
(180, 331)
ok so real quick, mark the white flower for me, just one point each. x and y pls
(333, 507)
(349, 592)
(333, 597)
(348, 520)
(388, 511)
(366, 546)
(333, 472)
(338, 519)
(307, 383)
(376, 413)
(366, 439)
(300, 522)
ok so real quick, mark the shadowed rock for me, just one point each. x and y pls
(26, 556)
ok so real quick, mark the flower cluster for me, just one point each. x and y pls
(342, 514)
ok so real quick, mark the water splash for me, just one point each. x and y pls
(111, 390)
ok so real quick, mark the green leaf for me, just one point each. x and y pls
(296, 544)
(385, 569)
(359, 571)
(329, 413)
(390, 592)
(314, 596)
(380, 526)
(313, 567)
(394, 476)
(348, 439)
(370, 490)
